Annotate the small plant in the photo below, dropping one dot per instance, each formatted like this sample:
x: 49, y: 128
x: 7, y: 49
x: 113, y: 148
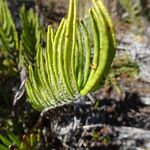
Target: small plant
x: 99, y: 137
x: 30, y: 36
x: 67, y: 69
x: 8, y: 40
x: 15, y: 53
x: 12, y: 142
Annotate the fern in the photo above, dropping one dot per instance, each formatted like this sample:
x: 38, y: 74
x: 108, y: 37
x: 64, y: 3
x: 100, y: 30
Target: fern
x: 6, y: 142
x: 30, y: 36
x: 62, y: 72
x: 11, y: 141
x: 8, y: 36
x: 15, y: 54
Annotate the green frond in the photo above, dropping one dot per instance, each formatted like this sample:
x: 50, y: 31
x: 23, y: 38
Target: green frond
x: 53, y: 85
x: 30, y: 36
x: 69, y: 47
x: 105, y: 49
x: 8, y: 37
x: 80, y: 58
x: 29, y: 141
x: 7, y: 141
x: 13, y: 52
x: 72, y: 65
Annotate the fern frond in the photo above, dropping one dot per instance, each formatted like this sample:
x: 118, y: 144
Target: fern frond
x: 8, y: 36
x: 12, y: 141
x: 50, y: 86
x: 105, y: 48
x: 30, y: 36
x: 63, y: 72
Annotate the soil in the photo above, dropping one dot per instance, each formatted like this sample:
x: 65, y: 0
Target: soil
x: 98, y: 124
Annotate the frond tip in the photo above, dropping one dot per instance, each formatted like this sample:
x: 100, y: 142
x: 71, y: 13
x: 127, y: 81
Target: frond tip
x: 63, y: 72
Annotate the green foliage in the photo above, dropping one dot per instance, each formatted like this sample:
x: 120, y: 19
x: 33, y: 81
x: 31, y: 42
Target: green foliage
x: 132, y: 7
x: 13, y: 53
x: 8, y: 141
x: 97, y: 136
x: 12, y: 142
x: 30, y: 36
x: 62, y: 72
x: 8, y: 39
x: 122, y: 68
x: 123, y: 65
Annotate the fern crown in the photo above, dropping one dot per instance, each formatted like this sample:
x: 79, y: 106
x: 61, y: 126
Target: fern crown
x: 76, y: 61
